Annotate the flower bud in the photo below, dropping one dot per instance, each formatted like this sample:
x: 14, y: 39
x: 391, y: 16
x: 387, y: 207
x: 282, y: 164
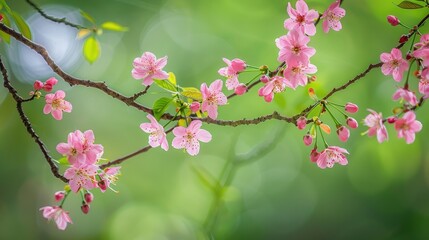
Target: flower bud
x: 352, y: 123
x: 403, y: 39
x: 89, y: 197
x: 195, y: 106
x: 301, y: 122
x: 393, y: 20
x: 102, y: 185
x: 314, y: 155
x: 343, y: 133
x: 38, y: 85
x: 308, y: 140
x: 49, y: 84
x: 85, y: 208
x: 351, y: 108
x: 240, y: 89
x: 59, y: 195
x: 264, y: 78
x: 391, y: 120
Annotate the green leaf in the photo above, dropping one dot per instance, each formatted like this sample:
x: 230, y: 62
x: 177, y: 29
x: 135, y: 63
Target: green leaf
x: 160, y: 106
x: 4, y: 4
x: 313, y: 131
x: 165, y: 84
x: 206, y: 178
x: 3, y: 35
x: 22, y: 25
x: 193, y: 93
x: 91, y: 49
x: 172, y: 78
x: 409, y: 5
x: 112, y: 26
x: 63, y: 161
x: 87, y: 16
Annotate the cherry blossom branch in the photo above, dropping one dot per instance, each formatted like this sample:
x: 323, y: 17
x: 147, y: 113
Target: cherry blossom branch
x: 19, y: 101
x: 54, y: 19
x: 120, y: 160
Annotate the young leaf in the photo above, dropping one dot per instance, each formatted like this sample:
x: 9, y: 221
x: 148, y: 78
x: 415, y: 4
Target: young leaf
x: 22, y: 25
x: 87, y: 16
x: 409, y: 5
x: 63, y: 161
x: 91, y: 49
x: 172, y: 78
x: 205, y: 177
x: 82, y: 33
x: 3, y: 35
x: 193, y: 93
x: 165, y: 84
x: 112, y: 26
x: 160, y: 106
x: 4, y: 4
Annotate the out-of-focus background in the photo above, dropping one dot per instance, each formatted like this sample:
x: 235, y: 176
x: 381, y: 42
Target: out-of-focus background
x: 382, y: 194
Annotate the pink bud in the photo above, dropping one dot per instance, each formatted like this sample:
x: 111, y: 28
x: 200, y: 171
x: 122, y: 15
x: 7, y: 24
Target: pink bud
x: 264, y: 78
x: 351, y: 108
x: 301, y: 122
x: 343, y: 133
x: 352, y: 123
x: 238, y: 65
x: 195, y: 106
x: 85, y: 208
x: 308, y: 140
x: 59, y: 195
x: 393, y: 20
x: 391, y: 120
x: 89, y: 197
x: 102, y: 185
x: 240, y: 89
x: 314, y: 155
x: 38, y: 85
x: 49, y: 84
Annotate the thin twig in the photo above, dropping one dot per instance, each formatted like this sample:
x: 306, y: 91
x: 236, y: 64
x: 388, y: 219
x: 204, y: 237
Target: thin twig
x: 19, y: 101
x: 54, y: 19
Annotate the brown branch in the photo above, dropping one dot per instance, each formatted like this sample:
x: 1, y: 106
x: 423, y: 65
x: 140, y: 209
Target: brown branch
x: 19, y: 101
x: 54, y: 19
x: 120, y: 160
x: 139, y: 94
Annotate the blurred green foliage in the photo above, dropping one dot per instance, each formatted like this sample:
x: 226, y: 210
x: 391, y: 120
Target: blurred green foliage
x: 382, y: 194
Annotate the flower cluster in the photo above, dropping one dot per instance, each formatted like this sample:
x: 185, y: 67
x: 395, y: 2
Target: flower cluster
x: 84, y: 173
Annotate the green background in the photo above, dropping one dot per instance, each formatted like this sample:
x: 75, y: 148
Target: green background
x: 381, y: 194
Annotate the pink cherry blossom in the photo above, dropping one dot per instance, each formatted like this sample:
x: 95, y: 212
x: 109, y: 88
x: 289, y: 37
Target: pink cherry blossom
x: 301, y: 18
x: 275, y: 85
x: 296, y: 74
x: 82, y: 176
x: 148, y: 68
x: 343, y: 133
x: 157, y: 135
x: 194, y: 106
x: 80, y: 148
x: 231, y: 71
x: 293, y: 48
x: 109, y: 176
x: 424, y: 83
x: 212, y: 97
x: 407, y: 126
x: 405, y: 94
x: 188, y: 138
x: 394, y: 64
x: 332, y: 16
x: 375, y: 123
x: 423, y: 43
x: 55, y: 104
x: 60, y: 216
x: 423, y: 54
x: 332, y: 155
